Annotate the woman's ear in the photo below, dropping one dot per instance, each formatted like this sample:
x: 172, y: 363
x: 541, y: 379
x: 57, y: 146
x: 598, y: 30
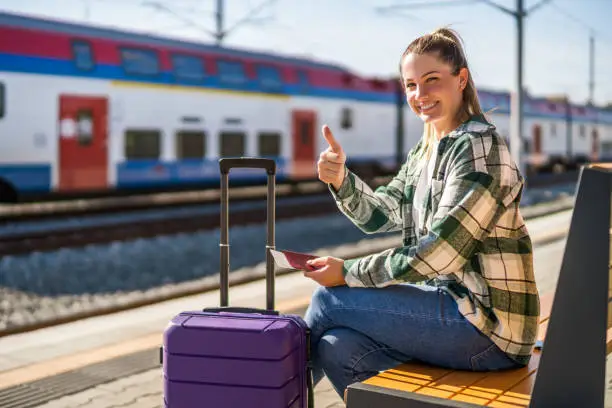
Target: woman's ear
x: 463, y: 78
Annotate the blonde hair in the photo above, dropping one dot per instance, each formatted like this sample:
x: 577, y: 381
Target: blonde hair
x: 446, y: 45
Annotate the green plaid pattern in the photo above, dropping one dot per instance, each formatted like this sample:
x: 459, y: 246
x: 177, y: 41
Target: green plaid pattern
x: 477, y: 247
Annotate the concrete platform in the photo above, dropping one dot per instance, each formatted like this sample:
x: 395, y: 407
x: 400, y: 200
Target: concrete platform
x: 70, y: 352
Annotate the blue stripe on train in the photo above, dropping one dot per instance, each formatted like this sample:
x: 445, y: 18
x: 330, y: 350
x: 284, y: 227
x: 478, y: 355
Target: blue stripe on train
x: 52, y: 66
x: 148, y: 173
x: 36, y: 178
x: 31, y: 178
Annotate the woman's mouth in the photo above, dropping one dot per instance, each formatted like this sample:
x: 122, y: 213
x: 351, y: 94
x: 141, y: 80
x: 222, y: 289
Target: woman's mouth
x: 425, y: 108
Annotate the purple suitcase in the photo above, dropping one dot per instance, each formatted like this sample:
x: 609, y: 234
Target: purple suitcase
x: 230, y: 357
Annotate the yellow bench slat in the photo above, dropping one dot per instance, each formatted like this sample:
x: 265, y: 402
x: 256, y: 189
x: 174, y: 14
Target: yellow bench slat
x: 408, y: 376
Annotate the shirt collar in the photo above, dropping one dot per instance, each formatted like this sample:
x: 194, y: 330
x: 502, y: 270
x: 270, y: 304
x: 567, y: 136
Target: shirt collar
x: 475, y: 124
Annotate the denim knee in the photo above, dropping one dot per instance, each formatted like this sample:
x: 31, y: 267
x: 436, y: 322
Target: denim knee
x: 321, y: 298
x: 346, y: 356
x: 318, y: 304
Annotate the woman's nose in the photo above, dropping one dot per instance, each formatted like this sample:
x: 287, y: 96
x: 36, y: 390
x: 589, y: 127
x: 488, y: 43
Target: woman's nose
x: 420, y: 92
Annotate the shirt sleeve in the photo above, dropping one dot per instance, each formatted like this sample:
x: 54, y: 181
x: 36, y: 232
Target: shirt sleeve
x: 481, y: 183
x: 372, y: 211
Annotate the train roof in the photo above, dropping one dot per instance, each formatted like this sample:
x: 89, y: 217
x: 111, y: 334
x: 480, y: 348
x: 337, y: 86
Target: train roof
x: 121, y: 34
x: 497, y: 98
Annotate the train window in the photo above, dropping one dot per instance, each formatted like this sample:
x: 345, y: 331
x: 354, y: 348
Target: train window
x: 231, y: 72
x: 526, y: 145
x: 188, y: 67
x: 302, y: 77
x: 232, y: 144
x: 606, y: 148
x: 142, y: 144
x: 582, y: 131
x: 269, y: 77
x: 346, y: 118
x: 2, y: 100
x: 269, y: 144
x: 82, y: 55
x: 348, y: 80
x: 190, y: 144
x: 553, y: 129
x: 232, y: 121
x: 138, y: 61
x: 84, y: 127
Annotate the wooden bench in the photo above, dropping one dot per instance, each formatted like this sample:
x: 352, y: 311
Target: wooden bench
x: 503, y: 389
x: 569, y: 370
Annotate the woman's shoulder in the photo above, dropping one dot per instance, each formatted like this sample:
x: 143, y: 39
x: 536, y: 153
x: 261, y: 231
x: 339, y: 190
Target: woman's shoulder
x: 477, y: 126
x: 478, y: 142
x: 478, y: 133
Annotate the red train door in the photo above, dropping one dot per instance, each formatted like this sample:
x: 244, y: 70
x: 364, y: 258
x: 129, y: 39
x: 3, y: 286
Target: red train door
x: 304, y: 163
x: 537, y: 139
x: 83, y: 158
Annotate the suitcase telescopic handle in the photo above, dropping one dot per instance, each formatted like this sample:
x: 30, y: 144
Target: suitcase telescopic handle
x: 225, y: 165
x: 233, y: 309
x: 247, y: 162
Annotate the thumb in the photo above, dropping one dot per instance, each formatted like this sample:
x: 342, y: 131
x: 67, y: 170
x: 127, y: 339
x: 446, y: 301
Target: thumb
x: 317, y: 261
x: 331, y: 140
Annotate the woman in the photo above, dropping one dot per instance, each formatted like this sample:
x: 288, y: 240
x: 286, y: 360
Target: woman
x: 460, y: 292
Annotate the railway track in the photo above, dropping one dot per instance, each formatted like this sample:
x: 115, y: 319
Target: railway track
x: 82, y: 235
x: 316, y: 202
x: 237, y: 277
x: 126, y: 204
x: 107, y: 205
x: 73, y: 237
x: 53, y: 238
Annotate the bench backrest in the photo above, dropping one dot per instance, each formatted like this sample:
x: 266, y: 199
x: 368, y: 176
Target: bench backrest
x: 573, y: 359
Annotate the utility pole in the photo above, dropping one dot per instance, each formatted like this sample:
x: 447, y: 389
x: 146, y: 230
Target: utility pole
x: 219, y: 17
x: 591, y: 68
x: 517, y: 147
x: 592, y: 33
x: 220, y: 33
x: 87, y: 10
x: 516, y: 110
x: 568, y: 129
x: 249, y: 18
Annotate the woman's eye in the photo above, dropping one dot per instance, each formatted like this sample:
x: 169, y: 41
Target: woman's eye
x: 410, y: 85
x: 432, y: 79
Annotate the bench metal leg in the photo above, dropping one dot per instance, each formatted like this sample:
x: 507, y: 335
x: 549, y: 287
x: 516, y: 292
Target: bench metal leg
x: 573, y: 363
x: 360, y: 395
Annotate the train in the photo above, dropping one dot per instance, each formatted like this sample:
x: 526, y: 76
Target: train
x: 87, y: 109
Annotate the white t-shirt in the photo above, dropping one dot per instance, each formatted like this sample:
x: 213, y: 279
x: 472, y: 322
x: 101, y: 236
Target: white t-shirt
x: 420, y: 194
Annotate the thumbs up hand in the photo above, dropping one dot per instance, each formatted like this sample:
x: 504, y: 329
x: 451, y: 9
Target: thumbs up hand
x: 331, y: 161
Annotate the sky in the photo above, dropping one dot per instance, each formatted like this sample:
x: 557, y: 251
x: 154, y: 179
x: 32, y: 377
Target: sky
x: 354, y: 34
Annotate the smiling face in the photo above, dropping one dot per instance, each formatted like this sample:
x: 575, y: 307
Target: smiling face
x: 432, y: 91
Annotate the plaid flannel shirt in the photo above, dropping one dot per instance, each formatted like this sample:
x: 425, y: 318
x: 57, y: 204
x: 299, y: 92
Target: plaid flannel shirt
x: 477, y: 248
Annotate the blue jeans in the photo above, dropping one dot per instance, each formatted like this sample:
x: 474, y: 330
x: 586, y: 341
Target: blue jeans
x: 357, y: 332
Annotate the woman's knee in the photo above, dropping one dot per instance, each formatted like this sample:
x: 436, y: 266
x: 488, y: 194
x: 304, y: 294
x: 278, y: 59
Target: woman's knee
x: 322, y: 297
x: 320, y: 303
x: 347, y: 356
x: 348, y: 348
